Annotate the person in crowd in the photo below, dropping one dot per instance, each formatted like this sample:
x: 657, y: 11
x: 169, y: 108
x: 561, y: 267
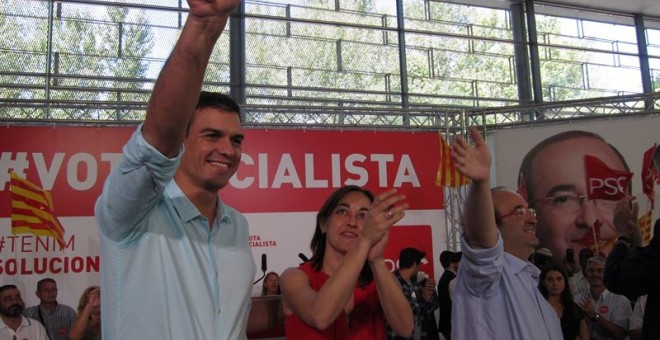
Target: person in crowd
x: 14, y: 325
x: 496, y: 294
x: 167, y: 239
x: 419, y: 290
x: 552, y: 180
x: 88, y: 323
x: 450, y: 262
x: 608, y: 313
x: 554, y: 287
x: 346, y: 291
x: 271, y: 284
x: 634, y: 272
x: 637, y: 318
x: 541, y: 257
x: 56, y: 317
x: 267, y: 312
x: 576, y: 280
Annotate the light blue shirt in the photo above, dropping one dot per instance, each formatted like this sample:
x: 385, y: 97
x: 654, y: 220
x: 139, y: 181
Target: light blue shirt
x: 497, y: 297
x: 164, y: 273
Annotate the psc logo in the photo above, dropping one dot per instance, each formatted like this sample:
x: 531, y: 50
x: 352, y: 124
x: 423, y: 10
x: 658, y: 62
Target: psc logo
x: 611, y: 186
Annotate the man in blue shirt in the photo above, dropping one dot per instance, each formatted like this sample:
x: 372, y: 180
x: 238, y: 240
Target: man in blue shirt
x: 175, y: 259
x: 496, y: 295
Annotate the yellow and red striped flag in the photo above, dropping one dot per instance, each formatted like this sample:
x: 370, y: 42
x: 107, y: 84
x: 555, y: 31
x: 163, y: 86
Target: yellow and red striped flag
x: 447, y: 175
x: 644, y: 223
x: 32, y: 210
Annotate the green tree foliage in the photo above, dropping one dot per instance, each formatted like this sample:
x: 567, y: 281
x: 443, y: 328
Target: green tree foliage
x: 456, y: 55
x: 94, y: 55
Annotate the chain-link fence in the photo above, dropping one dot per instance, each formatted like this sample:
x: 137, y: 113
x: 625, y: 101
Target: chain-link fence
x: 321, y: 62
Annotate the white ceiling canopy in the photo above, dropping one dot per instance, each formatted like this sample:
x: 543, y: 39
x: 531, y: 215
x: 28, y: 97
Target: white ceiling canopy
x: 649, y: 8
x: 611, y: 11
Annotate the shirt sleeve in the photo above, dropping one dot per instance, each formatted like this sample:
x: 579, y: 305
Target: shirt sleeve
x: 637, y: 317
x: 481, y: 269
x: 133, y: 187
x: 622, y: 312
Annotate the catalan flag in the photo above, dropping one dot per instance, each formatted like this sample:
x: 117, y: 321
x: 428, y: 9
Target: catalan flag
x: 644, y: 223
x: 32, y: 210
x: 447, y: 175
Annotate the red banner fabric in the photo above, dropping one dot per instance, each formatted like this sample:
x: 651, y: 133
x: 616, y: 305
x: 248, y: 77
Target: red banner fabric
x: 281, y: 170
x: 649, y: 174
x: 603, y: 182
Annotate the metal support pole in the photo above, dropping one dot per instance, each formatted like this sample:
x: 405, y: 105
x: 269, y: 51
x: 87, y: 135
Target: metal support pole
x: 534, y: 52
x: 520, y: 53
x: 237, y: 68
x: 644, y: 67
x: 402, y: 54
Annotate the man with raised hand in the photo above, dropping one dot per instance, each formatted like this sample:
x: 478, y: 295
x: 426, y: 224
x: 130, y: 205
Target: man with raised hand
x: 175, y: 259
x: 496, y: 295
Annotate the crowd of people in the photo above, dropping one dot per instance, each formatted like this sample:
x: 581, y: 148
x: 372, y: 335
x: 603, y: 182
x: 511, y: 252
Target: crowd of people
x: 177, y: 264
x: 49, y: 320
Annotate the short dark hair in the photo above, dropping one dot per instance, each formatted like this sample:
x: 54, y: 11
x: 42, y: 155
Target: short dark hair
x: 5, y: 287
x: 44, y: 281
x: 656, y: 158
x: 215, y: 100
x: 446, y: 258
x: 410, y: 256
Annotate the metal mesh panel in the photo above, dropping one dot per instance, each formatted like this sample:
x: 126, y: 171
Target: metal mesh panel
x: 88, y: 60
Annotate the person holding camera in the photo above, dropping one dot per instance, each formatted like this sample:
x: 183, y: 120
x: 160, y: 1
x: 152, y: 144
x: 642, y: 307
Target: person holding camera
x: 419, y: 289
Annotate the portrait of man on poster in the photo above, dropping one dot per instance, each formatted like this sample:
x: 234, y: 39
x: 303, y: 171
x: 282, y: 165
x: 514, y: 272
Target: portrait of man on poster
x: 574, y: 180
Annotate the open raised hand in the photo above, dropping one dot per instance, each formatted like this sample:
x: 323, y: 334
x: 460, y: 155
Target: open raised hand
x: 387, y: 209
x: 94, y: 297
x: 625, y: 220
x: 472, y: 161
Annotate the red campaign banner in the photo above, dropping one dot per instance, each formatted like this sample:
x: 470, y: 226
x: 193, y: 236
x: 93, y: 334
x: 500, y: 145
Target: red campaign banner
x: 649, y: 174
x: 603, y: 182
x: 281, y: 170
x: 419, y: 237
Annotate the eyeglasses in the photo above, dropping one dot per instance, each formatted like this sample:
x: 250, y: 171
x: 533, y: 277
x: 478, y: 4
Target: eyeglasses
x: 570, y: 201
x: 520, y: 211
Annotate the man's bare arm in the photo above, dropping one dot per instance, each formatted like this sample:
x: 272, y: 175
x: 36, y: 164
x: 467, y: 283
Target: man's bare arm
x: 478, y: 218
x: 177, y: 88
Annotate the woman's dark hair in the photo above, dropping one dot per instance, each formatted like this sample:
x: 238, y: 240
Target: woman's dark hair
x: 319, y: 239
x: 566, y: 296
